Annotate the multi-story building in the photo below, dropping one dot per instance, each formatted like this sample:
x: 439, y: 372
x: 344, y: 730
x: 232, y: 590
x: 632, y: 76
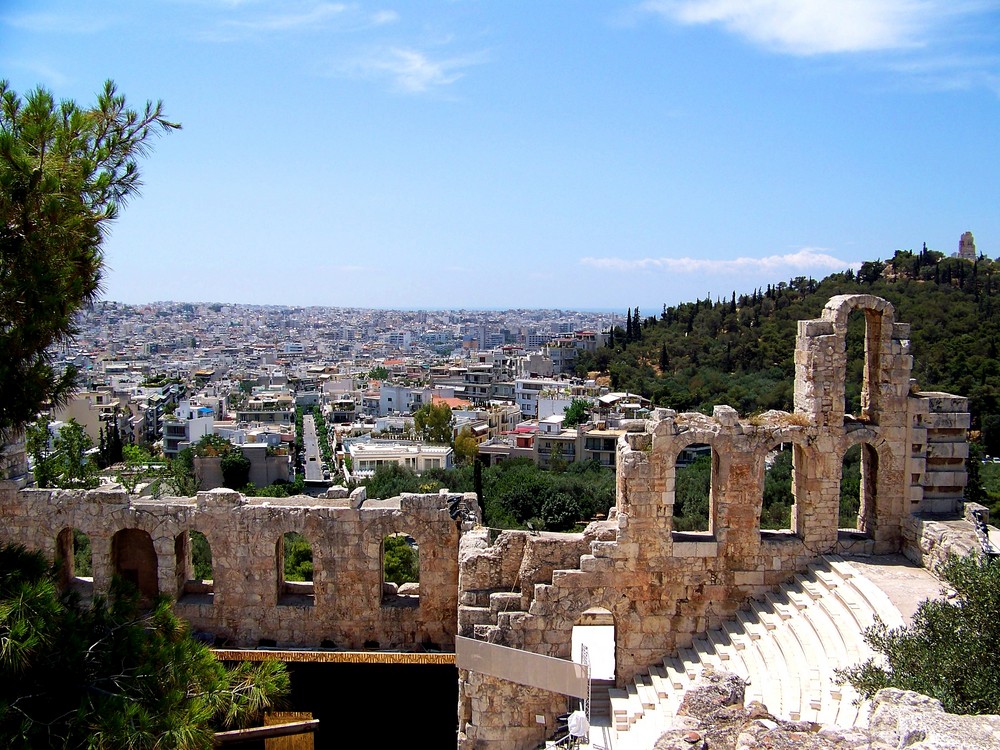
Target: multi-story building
x: 369, y: 455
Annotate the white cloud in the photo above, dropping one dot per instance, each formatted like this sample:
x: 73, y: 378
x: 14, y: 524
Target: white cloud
x: 811, y: 27
x: 309, y: 18
x: 382, y: 17
x: 414, y: 71
x: 804, y: 260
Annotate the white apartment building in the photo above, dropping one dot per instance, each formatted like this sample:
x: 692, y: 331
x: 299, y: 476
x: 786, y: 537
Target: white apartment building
x: 418, y: 457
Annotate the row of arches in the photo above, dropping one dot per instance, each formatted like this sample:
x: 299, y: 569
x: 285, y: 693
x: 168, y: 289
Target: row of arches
x: 696, y: 478
x: 134, y: 560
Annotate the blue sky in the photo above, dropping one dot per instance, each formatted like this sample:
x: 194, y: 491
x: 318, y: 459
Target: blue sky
x: 530, y: 154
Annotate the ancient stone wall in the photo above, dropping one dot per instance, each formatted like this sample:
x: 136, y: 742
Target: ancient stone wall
x: 247, y: 602
x: 663, y: 586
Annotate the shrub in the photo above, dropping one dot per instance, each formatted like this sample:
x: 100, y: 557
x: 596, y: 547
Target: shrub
x: 949, y: 650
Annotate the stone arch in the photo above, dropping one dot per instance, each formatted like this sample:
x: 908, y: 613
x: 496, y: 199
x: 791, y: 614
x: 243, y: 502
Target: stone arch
x: 595, y: 629
x: 876, y: 458
x: 404, y: 563
x: 880, y: 318
x: 75, y: 555
x: 133, y: 558
x: 195, y: 585
x: 289, y: 553
x: 671, y: 456
x: 801, y: 455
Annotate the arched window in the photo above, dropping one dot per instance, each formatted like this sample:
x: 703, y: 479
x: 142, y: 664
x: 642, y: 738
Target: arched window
x: 778, y: 511
x: 863, y: 351
x: 74, y: 556
x: 694, y: 480
x: 294, y: 560
x: 194, y: 568
x: 400, y: 571
x: 134, y: 559
x: 858, y: 488
x: 595, y: 632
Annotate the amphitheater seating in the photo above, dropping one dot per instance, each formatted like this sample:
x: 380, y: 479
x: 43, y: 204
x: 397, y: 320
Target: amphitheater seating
x: 786, y: 645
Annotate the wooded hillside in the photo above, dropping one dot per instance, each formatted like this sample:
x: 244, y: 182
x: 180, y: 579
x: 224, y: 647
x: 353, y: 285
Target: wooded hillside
x: 739, y: 351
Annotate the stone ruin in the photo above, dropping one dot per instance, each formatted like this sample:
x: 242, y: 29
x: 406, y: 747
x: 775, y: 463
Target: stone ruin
x: 658, y: 587
x: 248, y: 602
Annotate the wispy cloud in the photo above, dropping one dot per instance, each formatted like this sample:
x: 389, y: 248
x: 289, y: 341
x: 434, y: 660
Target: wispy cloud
x: 308, y: 17
x: 57, y: 23
x: 414, y: 71
x: 311, y: 16
x: 812, y: 27
x: 804, y: 260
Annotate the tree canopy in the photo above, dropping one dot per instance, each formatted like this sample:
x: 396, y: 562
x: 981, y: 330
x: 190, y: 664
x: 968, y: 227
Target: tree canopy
x: 111, y: 675
x: 65, y: 170
x: 433, y: 423
x: 949, y: 651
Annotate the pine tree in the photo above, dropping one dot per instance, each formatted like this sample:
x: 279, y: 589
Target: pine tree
x: 64, y: 172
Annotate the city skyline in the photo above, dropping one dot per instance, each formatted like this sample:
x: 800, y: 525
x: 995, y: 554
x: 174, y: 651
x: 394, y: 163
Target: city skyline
x: 461, y: 155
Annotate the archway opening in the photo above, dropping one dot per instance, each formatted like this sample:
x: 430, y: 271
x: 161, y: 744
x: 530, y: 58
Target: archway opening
x: 859, y: 489
x: 400, y: 571
x: 294, y: 558
x: 861, y: 373
x: 134, y: 560
x: 778, y: 509
x: 73, y: 555
x: 595, y: 633
x: 694, y: 479
x: 194, y: 568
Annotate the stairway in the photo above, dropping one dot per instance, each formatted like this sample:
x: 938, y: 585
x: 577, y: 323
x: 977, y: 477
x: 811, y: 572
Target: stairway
x: 787, y: 645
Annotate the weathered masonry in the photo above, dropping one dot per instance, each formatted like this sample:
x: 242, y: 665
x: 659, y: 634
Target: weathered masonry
x: 659, y: 587
x: 654, y: 586
x: 247, y: 601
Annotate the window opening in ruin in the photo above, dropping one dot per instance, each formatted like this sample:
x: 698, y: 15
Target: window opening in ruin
x: 134, y: 560
x: 861, y: 372
x: 194, y: 568
x: 294, y: 559
x: 400, y: 571
x: 596, y: 630
x: 695, y: 470
x: 858, y: 487
x: 73, y: 555
x: 778, y: 512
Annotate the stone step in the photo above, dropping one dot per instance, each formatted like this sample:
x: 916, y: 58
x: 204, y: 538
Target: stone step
x: 505, y: 601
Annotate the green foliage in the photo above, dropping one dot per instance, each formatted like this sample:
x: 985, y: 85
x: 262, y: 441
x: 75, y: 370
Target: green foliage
x: 850, y: 488
x: 140, y: 467
x: 692, y: 485
x: 212, y: 445
x: 703, y: 353
x: 778, y: 498
x: 64, y: 172
x: 298, y: 557
x: 949, y: 650
x: 466, y: 448
x: 433, y: 423
x: 111, y: 676
x: 577, y: 412
x: 201, y: 556
x: 235, y: 470
x: 82, y: 564
x: 182, y: 478
x: 68, y: 464
x: 400, y: 562
x: 378, y: 373
x: 391, y: 480
x: 989, y: 474
x: 513, y: 492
